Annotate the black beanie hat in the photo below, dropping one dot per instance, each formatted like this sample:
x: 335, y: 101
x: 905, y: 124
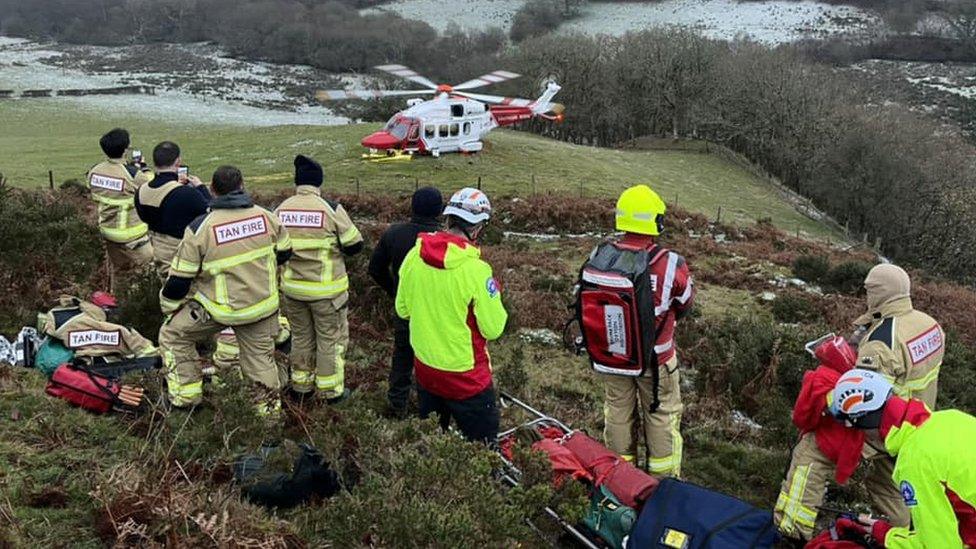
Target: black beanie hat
x: 427, y: 202
x: 307, y: 171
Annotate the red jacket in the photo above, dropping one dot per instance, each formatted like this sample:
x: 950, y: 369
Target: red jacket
x: 674, y: 293
x: 841, y: 445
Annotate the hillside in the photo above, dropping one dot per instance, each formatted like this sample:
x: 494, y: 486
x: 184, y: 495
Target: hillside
x: 154, y: 480
x: 699, y: 182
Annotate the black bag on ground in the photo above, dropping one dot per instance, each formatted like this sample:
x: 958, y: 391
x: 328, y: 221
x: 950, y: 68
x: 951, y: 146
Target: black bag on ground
x: 119, y: 368
x: 681, y: 515
x: 310, y: 476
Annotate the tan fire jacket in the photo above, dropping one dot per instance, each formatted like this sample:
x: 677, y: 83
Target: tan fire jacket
x: 231, y: 253
x: 906, y: 346
x: 113, y: 188
x: 319, y: 230
x: 83, y: 328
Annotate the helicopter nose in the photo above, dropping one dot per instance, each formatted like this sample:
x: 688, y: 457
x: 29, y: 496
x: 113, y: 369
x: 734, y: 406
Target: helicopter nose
x: 380, y: 140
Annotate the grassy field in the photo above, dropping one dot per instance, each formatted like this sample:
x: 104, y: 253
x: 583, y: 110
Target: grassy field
x: 42, y: 135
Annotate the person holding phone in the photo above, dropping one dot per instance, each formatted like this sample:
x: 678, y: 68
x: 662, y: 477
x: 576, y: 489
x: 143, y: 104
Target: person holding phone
x: 169, y: 203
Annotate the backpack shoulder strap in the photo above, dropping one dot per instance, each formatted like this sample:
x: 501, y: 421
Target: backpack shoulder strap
x: 658, y: 252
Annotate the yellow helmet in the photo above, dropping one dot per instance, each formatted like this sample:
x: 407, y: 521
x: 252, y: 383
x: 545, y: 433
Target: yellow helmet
x: 639, y: 210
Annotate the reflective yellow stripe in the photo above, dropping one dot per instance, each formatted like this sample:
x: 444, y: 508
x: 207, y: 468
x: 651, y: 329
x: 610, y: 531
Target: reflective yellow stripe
x: 351, y: 234
x: 227, y: 315
x: 794, y: 512
x: 269, y: 408
x: 184, y: 266
x: 168, y: 305
x: 284, y: 243
x: 227, y: 349
x: 328, y: 383
x: 216, y: 266
x: 125, y: 203
x: 311, y: 243
x: 661, y: 465
x: 627, y: 457
x: 220, y: 288
x: 293, y: 287
x: 124, y: 235
x: 301, y: 377
x: 918, y: 385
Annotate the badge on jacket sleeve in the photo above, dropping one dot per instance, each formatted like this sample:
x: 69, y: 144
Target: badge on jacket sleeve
x: 908, y: 493
x: 492, y: 286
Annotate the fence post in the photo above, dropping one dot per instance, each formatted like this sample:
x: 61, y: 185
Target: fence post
x: 718, y: 217
x: 533, y: 184
x: 357, y: 186
x: 581, y: 188
x: 50, y: 178
x: 479, y: 182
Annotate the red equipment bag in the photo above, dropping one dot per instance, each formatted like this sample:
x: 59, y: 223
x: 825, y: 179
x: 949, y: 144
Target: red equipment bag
x: 85, y: 389
x: 615, y: 310
x: 628, y: 483
x: 826, y: 541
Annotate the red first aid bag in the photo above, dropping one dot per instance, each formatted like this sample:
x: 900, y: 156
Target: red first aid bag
x: 85, y: 389
x: 628, y: 483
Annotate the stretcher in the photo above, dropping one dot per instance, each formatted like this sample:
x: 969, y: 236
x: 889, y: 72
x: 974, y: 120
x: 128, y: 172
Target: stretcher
x: 391, y: 155
x: 512, y: 475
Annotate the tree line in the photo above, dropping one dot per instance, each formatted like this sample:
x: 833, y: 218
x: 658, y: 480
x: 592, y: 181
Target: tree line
x: 894, y: 176
x: 330, y: 34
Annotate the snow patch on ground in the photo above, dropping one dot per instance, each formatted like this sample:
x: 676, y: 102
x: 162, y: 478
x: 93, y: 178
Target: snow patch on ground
x: 228, y: 91
x: 775, y: 21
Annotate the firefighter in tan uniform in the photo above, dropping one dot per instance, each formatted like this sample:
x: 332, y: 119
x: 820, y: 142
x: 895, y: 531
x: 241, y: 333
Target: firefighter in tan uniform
x: 906, y: 346
x: 315, y: 285
x: 85, y: 328
x: 113, y: 184
x: 169, y: 203
x: 230, y: 257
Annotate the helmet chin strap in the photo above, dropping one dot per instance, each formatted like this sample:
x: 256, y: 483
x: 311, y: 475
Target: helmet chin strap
x: 467, y: 233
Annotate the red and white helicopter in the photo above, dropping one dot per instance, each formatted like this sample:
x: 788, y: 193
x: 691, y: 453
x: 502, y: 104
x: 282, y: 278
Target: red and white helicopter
x: 455, y: 120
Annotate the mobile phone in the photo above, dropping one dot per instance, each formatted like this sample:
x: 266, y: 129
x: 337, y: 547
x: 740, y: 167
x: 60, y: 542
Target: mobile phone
x: 183, y: 172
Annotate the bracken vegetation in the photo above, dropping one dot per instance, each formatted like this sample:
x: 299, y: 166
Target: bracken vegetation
x: 152, y: 479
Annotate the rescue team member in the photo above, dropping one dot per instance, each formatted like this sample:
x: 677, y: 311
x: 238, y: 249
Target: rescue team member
x: 168, y: 204
x: 230, y: 256
x: 113, y: 183
x: 315, y: 285
x: 454, y: 307
x: 906, y: 347
x: 384, y: 268
x: 934, y: 470
x: 640, y: 214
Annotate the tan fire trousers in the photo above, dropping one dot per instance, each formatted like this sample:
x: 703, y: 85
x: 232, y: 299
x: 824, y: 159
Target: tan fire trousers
x: 320, y: 337
x: 627, y: 409
x: 806, y: 484
x: 163, y: 251
x: 129, y: 255
x: 191, y: 325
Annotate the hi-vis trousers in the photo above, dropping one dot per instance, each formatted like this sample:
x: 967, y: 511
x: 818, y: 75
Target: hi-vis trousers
x: 191, y: 325
x: 128, y: 255
x: 627, y: 409
x: 320, y: 337
x: 806, y: 484
x: 163, y: 250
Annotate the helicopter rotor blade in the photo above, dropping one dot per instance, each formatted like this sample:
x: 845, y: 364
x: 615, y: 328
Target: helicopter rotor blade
x: 487, y: 79
x: 497, y: 99
x: 338, y: 95
x: 408, y: 74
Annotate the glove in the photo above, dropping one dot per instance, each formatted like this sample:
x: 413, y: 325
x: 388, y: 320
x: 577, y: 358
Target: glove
x: 847, y: 528
x: 880, y: 531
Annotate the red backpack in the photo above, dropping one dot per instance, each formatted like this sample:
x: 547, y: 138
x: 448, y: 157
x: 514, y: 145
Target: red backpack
x: 615, y: 310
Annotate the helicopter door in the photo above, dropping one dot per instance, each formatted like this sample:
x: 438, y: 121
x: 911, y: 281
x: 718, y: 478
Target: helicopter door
x: 413, y: 135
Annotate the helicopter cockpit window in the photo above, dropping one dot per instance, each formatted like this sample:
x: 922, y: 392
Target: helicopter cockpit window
x: 429, y: 131
x: 454, y: 129
x: 457, y: 110
x: 398, y: 127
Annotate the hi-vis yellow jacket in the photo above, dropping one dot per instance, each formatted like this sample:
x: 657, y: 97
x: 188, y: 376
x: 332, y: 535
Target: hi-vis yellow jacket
x: 319, y: 230
x: 935, y: 470
x: 114, y: 187
x: 231, y: 253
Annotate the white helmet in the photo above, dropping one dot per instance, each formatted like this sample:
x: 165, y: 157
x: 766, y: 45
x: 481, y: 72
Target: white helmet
x: 470, y: 205
x: 859, y: 397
